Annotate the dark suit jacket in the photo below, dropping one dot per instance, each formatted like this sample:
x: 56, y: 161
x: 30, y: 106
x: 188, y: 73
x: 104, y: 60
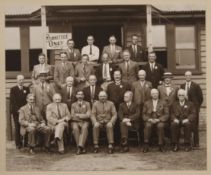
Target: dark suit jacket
x: 187, y: 111
x: 162, y: 111
x: 116, y: 92
x: 195, y: 94
x: 155, y: 76
x: 133, y: 112
x: 87, y: 93
x: 140, y: 56
x: 73, y: 56
x: 18, y: 98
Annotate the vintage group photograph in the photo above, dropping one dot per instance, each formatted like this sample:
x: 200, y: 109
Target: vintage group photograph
x: 105, y: 87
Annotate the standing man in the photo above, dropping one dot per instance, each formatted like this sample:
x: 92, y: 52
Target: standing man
x: 80, y: 113
x: 82, y: 72
x: 183, y: 114
x: 32, y: 122
x: 129, y: 115
x: 43, y: 92
x: 58, y: 115
x: 68, y: 92
x: 91, y: 50
x: 91, y: 92
x: 129, y: 68
x: 42, y: 67
x: 136, y: 51
x: 155, y: 114
x: 104, y: 115
x: 18, y: 95
x: 193, y: 94
x: 154, y: 71
x: 73, y: 54
x: 63, y: 70
x: 114, y: 52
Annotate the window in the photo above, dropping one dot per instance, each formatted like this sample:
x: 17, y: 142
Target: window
x: 185, y: 47
x: 12, y: 49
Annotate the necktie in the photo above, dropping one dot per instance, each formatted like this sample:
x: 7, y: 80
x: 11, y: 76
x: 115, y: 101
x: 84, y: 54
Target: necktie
x: 92, y: 93
x: 21, y: 88
x: 31, y: 109
x: 128, y: 105
x: 58, y: 110
x: 84, y: 68
x: 103, y: 108
x: 134, y: 50
x: 127, y: 66
x: 80, y: 104
x: 105, y: 71
x: 69, y: 92
x: 90, y: 51
x: 152, y: 67
x: 112, y: 50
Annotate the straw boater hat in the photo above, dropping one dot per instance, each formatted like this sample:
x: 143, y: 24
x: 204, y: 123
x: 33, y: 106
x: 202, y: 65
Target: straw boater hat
x: 167, y: 75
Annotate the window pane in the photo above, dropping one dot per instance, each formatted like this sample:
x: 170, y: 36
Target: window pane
x: 159, y: 36
x: 12, y: 38
x: 185, y: 37
x: 185, y: 59
x: 13, y: 60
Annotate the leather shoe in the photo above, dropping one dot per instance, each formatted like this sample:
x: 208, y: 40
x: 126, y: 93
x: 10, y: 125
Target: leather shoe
x: 125, y: 149
x: 96, y: 149
x: 161, y: 148
x: 61, y: 152
x: 146, y: 148
x: 31, y: 151
x: 175, y: 148
x: 187, y: 148
x: 79, y: 151
x: 110, y: 150
x: 54, y: 141
x: 83, y: 151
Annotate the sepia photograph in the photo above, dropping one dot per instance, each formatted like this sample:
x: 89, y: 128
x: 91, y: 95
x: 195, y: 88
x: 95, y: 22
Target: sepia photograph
x: 105, y: 87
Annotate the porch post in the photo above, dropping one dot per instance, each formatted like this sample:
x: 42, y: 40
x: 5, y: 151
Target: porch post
x: 149, y: 28
x: 44, y: 29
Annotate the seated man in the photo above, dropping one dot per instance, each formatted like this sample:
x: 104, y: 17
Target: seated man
x: 58, y: 115
x: 129, y: 115
x: 183, y: 114
x: 155, y: 114
x: 32, y: 122
x: 104, y: 115
x: 80, y: 113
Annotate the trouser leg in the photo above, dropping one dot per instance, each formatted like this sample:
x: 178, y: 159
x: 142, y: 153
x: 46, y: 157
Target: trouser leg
x: 174, y: 132
x: 75, y: 129
x: 31, y: 137
x: 83, y: 134
x: 110, y: 134
x: 160, y: 132
x: 46, y: 131
x: 96, y: 132
x: 187, y: 132
x: 17, y: 129
x: 147, y: 132
x: 196, y: 129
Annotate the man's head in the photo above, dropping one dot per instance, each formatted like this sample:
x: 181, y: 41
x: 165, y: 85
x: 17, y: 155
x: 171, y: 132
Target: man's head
x: 30, y: 98
x: 92, y: 80
x: 102, y: 96
x: 84, y: 58
x: 117, y: 75
x: 167, y: 76
x: 20, y: 80
x: 126, y: 55
x: 70, y: 43
x: 63, y: 56
x: 90, y: 40
x: 181, y: 94
x: 41, y: 58
x: 152, y: 57
x: 188, y: 75
x: 128, y: 96
x: 80, y: 95
x: 42, y: 76
x: 134, y: 39
x: 154, y: 94
x: 57, y: 98
x: 105, y: 58
x: 141, y: 75
x: 112, y: 39
x: 69, y: 81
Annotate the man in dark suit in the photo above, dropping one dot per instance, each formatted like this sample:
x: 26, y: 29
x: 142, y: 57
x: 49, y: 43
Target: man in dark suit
x: 194, y: 94
x: 91, y: 92
x: 129, y: 115
x: 155, y: 114
x: 183, y: 114
x: 136, y: 51
x: 153, y: 70
x: 129, y: 68
x: 18, y: 95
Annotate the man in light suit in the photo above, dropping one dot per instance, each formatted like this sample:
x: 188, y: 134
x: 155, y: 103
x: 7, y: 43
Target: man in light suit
x: 42, y: 67
x: 129, y: 68
x: 154, y: 71
x: 193, y: 94
x: 68, y: 92
x: 114, y: 52
x: 58, y: 115
x: 104, y: 115
x: 129, y: 115
x: 18, y: 95
x: 43, y: 92
x: 32, y: 122
x: 80, y: 113
x: 63, y: 70
x: 155, y: 114
x: 91, y: 50
x: 168, y: 91
x: 183, y: 114
x: 73, y: 54
x: 82, y: 72
x: 136, y: 51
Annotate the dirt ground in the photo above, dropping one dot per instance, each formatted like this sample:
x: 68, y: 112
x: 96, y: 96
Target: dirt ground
x: 21, y: 160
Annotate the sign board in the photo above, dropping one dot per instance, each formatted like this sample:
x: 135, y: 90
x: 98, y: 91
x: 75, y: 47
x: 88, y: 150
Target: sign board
x: 57, y: 40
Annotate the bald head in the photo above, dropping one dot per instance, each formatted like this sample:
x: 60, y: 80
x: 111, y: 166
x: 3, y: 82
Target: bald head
x: 20, y: 80
x: 128, y: 96
x: 102, y: 96
x: 92, y: 80
x: 69, y: 81
x: 188, y: 75
x: 57, y: 98
x: 141, y: 75
x: 181, y: 94
x: 154, y: 94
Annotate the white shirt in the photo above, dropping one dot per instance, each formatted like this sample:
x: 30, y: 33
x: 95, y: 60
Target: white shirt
x: 92, y: 90
x: 187, y: 86
x: 106, y: 66
x: 154, y: 102
x: 95, y: 52
x: 70, y: 88
x: 142, y: 83
x: 152, y: 65
x: 128, y: 104
x: 182, y: 103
